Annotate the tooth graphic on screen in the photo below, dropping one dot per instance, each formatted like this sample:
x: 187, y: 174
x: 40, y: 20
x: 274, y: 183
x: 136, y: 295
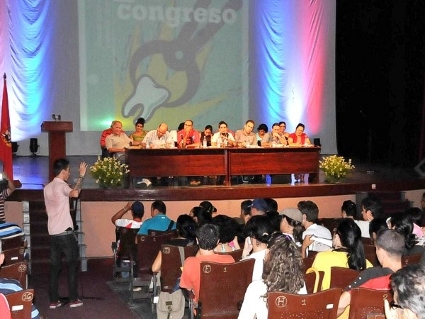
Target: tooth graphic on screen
x: 146, y: 97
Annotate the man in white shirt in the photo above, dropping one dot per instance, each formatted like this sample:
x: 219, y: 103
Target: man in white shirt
x: 137, y: 211
x: 223, y: 137
x: 157, y: 138
x: 117, y: 141
x: 322, y: 239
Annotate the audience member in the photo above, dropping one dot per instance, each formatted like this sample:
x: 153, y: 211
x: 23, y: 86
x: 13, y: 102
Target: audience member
x: 275, y: 219
x: 258, y: 231
x: 137, y: 212
x: 246, y: 206
x: 375, y: 226
x: 417, y: 216
x: 349, y: 209
x: 188, y: 137
x: 348, y: 251
x: 262, y: 129
x: 245, y: 136
x: 291, y: 224
x: 117, y: 141
x: 273, y: 138
x: 283, y: 271
x: 258, y: 207
x: 8, y: 286
x: 4, y: 308
x: 157, y: 138
x: 139, y: 134
x: 200, y: 215
x: 207, y: 237
x: 322, y: 239
x: 209, y: 207
x: 186, y: 236
x: 207, y: 134
x: 63, y: 240
x: 408, y: 286
x: 223, y: 137
x: 228, y: 227
x: 159, y: 220
x: 371, y: 208
x: 299, y: 138
x: 6, y: 190
x: 403, y: 224
x: 389, y: 249
x: 272, y: 204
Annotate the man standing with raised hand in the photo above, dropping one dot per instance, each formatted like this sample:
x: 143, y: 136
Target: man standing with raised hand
x: 63, y: 240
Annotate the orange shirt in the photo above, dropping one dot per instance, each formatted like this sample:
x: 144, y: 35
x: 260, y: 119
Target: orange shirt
x: 191, y: 274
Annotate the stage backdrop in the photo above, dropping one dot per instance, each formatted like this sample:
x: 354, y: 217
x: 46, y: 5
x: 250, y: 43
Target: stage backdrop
x: 93, y: 61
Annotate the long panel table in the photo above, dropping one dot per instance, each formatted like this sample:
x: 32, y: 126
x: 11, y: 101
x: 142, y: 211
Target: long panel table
x: 223, y: 161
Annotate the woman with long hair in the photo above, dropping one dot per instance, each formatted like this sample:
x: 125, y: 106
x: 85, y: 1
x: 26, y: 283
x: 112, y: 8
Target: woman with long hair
x: 348, y: 251
x: 290, y: 224
x: 258, y: 230
x: 283, y: 271
x: 403, y: 225
x: 200, y: 215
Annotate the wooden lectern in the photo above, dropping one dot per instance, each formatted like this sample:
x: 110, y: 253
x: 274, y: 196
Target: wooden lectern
x: 57, y: 141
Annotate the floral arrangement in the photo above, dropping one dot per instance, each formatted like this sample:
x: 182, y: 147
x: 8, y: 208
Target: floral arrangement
x: 335, y: 167
x: 109, y: 172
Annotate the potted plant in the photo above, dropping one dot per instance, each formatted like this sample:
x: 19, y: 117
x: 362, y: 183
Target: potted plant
x: 335, y: 167
x: 109, y: 172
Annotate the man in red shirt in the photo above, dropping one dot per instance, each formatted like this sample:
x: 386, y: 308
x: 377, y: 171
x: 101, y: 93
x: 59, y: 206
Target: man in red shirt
x: 389, y: 250
x: 207, y: 237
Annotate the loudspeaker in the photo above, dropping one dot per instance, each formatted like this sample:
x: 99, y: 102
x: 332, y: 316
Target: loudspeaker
x: 316, y: 142
x: 420, y: 168
x: 34, y: 146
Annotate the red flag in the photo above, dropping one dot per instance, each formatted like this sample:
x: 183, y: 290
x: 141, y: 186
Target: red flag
x: 5, y: 136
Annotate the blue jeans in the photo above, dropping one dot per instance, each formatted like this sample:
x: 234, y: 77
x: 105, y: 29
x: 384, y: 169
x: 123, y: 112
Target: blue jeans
x: 68, y: 246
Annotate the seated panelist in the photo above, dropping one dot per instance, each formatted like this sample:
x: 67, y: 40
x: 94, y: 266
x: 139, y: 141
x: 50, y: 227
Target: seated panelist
x: 103, y: 136
x: 299, y: 138
x: 274, y: 137
x: 117, y: 141
x: 188, y: 137
x: 157, y: 138
x: 139, y: 134
x: 207, y: 134
x: 223, y: 137
x: 246, y: 136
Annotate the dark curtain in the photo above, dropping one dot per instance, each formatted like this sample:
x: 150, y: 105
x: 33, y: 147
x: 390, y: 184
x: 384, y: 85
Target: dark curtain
x: 380, y: 54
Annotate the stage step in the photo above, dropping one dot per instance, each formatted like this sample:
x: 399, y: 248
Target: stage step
x: 40, y: 239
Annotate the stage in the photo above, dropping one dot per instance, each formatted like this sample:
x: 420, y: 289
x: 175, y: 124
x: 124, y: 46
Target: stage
x: 33, y: 171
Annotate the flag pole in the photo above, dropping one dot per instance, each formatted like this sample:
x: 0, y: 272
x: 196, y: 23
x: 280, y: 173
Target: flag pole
x: 6, y: 137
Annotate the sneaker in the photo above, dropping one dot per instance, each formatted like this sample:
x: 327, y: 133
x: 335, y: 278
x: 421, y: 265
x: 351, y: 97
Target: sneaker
x: 54, y: 305
x: 75, y: 303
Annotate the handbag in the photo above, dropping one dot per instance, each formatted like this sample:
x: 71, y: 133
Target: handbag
x: 171, y: 305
